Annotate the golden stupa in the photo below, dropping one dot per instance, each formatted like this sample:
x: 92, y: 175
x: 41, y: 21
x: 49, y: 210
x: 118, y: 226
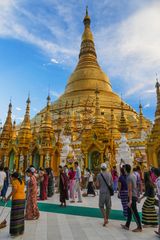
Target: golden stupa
x: 81, y: 86
x: 88, y: 112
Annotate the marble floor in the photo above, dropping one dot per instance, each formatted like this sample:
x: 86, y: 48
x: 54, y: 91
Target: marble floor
x: 52, y: 226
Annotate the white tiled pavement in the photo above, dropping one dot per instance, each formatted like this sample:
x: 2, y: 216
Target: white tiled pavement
x: 53, y: 226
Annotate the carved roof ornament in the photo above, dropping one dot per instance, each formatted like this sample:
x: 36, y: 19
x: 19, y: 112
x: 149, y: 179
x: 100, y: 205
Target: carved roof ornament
x: 7, y: 128
x: 142, y: 124
x: 25, y: 134
x: 123, y: 127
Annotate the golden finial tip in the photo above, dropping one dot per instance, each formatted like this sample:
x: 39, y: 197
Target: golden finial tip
x: 48, y: 98
x: 87, y: 10
x: 28, y: 99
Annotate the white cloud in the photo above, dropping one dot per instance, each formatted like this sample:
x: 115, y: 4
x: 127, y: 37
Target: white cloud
x: 18, y: 109
x: 55, y: 94
x: 131, y: 49
x: 150, y: 91
x: 54, y: 61
x: 147, y: 105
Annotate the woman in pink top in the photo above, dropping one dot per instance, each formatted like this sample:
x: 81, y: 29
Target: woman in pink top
x: 72, y: 181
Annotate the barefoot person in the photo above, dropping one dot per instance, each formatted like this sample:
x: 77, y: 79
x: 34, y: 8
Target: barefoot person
x: 18, y: 205
x: 32, y: 211
x: 149, y: 215
x: 104, y: 179
x: 157, y: 174
x: 63, y: 186
x: 132, y: 201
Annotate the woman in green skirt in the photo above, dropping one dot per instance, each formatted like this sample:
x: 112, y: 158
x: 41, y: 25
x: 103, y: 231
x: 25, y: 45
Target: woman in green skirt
x: 18, y: 206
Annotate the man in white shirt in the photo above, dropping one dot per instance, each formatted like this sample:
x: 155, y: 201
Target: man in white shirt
x: 2, y: 177
x: 78, y: 180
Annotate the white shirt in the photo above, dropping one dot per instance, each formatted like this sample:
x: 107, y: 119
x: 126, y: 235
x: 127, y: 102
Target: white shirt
x: 90, y: 178
x: 2, y: 178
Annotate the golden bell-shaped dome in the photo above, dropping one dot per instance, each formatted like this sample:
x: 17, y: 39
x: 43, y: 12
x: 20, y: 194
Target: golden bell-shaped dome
x: 88, y: 72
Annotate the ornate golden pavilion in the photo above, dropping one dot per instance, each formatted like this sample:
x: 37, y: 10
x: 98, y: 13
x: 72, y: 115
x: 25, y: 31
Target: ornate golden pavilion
x: 153, y: 143
x: 89, y: 111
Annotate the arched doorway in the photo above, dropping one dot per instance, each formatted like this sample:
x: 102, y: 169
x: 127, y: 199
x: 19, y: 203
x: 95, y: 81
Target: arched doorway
x: 158, y: 158
x: 94, y: 161
x: 36, y: 159
x: 11, y: 161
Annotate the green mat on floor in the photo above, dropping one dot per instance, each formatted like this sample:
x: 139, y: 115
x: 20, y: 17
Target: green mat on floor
x: 75, y: 210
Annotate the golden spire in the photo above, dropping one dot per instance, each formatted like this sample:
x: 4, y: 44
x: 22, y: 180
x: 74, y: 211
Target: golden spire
x: 7, y: 128
x: 88, y: 71
x: 123, y: 128
x: 14, y: 134
x: 142, y: 124
x: 113, y: 125
x: 47, y: 121
x: 87, y: 34
x: 87, y: 45
x: 24, y: 134
x: 157, y: 113
x: 26, y: 122
x: 46, y: 128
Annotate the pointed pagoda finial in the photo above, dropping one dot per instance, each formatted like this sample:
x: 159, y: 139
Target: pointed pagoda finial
x: 157, y: 83
x: 48, y: 100
x: 28, y: 99
x: 87, y: 19
x: 28, y: 105
x: 157, y: 113
x: 123, y: 128
x: 10, y: 107
x: 140, y: 107
x: 87, y: 10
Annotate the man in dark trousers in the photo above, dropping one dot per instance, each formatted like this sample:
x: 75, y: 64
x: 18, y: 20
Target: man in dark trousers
x: 132, y: 201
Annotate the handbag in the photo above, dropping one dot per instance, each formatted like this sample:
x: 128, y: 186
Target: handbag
x: 111, y: 191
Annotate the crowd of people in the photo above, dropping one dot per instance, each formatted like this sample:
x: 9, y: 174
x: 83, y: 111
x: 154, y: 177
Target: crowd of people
x: 131, y: 187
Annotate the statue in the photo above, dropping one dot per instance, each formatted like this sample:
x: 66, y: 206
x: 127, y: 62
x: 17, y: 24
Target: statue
x: 124, y: 155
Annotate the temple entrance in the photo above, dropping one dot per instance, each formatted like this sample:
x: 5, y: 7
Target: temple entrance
x: 11, y: 161
x: 158, y: 158
x: 36, y: 159
x: 94, y: 161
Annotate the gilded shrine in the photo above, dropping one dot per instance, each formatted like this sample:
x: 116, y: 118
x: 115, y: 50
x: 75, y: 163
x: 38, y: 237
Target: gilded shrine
x: 89, y: 115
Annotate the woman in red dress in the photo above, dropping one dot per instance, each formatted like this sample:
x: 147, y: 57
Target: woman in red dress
x: 32, y: 211
x: 43, y: 184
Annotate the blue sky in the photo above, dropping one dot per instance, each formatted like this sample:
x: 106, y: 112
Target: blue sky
x: 40, y: 42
